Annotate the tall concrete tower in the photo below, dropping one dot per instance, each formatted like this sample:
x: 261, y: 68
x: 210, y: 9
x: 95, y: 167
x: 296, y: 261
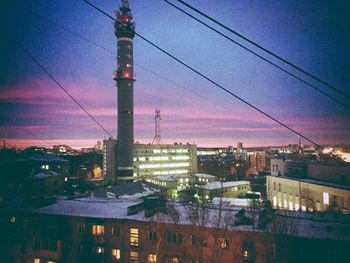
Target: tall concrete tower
x: 124, y: 76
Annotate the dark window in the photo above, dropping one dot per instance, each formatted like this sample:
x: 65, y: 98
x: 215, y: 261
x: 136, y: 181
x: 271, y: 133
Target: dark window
x: 174, y: 238
x: 152, y: 235
x: 116, y: 231
x: 81, y: 227
x: 36, y: 244
x: 194, y: 240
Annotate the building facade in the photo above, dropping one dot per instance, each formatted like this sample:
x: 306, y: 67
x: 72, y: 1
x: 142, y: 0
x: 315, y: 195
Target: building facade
x: 223, y: 189
x: 307, y: 194
x: 94, y: 230
x: 166, y: 159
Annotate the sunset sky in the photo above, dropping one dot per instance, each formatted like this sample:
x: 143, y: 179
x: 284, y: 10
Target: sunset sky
x: 312, y: 34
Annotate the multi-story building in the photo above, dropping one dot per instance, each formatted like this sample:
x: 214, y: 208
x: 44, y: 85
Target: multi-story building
x: 151, y: 160
x: 307, y: 194
x: 257, y: 161
x: 309, y: 185
x: 100, y: 230
x: 278, y: 167
x: 166, y: 159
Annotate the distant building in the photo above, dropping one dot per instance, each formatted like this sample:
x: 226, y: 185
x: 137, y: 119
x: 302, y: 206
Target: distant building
x: 110, y: 161
x: 278, y: 167
x: 165, y: 159
x: 42, y: 185
x: 223, y: 189
x: 309, y: 185
x: 257, y: 161
x: 202, y: 179
x: 175, y: 183
x: 151, y: 160
x: 17, y: 167
x: 307, y: 194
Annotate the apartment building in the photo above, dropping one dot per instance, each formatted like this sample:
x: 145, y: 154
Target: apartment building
x: 102, y: 230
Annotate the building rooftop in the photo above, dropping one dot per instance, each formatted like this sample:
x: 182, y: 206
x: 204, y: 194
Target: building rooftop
x: 44, y: 174
x: 134, y: 190
x: 166, y: 178
x: 218, y: 185
x: 303, y: 224
x: 207, y: 176
x: 318, y: 182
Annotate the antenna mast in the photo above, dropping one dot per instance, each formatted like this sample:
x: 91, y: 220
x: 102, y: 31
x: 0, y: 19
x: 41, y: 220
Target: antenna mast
x: 157, y: 138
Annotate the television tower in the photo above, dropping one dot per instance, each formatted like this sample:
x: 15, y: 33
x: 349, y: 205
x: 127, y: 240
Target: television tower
x: 157, y: 138
x: 124, y: 76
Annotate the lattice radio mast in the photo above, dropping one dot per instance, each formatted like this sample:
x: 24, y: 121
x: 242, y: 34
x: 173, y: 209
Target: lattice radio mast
x: 157, y: 138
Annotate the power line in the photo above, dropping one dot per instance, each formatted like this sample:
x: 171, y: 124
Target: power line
x: 266, y: 50
x: 261, y: 57
x: 205, y: 77
x: 113, y: 53
x: 58, y: 84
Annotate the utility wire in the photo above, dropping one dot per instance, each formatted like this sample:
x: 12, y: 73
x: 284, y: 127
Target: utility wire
x: 113, y: 53
x: 205, y: 77
x: 266, y: 50
x: 259, y: 56
x: 58, y: 84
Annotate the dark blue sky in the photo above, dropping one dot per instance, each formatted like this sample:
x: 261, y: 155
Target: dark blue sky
x: 312, y: 34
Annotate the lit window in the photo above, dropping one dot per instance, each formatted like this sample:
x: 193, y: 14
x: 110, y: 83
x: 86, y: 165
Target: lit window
x: 245, y: 254
x: 151, y: 258
x: 36, y: 260
x: 134, y: 257
x: 116, y: 254
x: 99, y: 250
x: 223, y: 243
x: 98, y: 230
x: 134, y: 237
x: 325, y: 198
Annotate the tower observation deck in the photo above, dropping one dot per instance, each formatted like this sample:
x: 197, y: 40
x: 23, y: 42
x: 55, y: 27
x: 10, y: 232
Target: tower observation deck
x: 124, y: 77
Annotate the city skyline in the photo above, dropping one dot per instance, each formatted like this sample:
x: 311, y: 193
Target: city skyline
x: 312, y: 34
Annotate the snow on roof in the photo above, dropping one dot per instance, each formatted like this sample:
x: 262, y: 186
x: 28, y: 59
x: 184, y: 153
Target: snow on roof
x: 132, y: 190
x: 303, y: 224
x: 45, y: 174
x: 218, y: 185
x: 242, y: 202
x: 166, y: 178
x: 208, y: 176
x: 41, y: 157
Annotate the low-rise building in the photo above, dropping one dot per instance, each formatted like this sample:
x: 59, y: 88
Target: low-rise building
x: 223, y: 189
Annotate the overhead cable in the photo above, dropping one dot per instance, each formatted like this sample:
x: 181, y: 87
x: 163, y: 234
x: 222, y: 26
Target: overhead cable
x: 266, y: 50
x: 261, y: 57
x: 205, y: 77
